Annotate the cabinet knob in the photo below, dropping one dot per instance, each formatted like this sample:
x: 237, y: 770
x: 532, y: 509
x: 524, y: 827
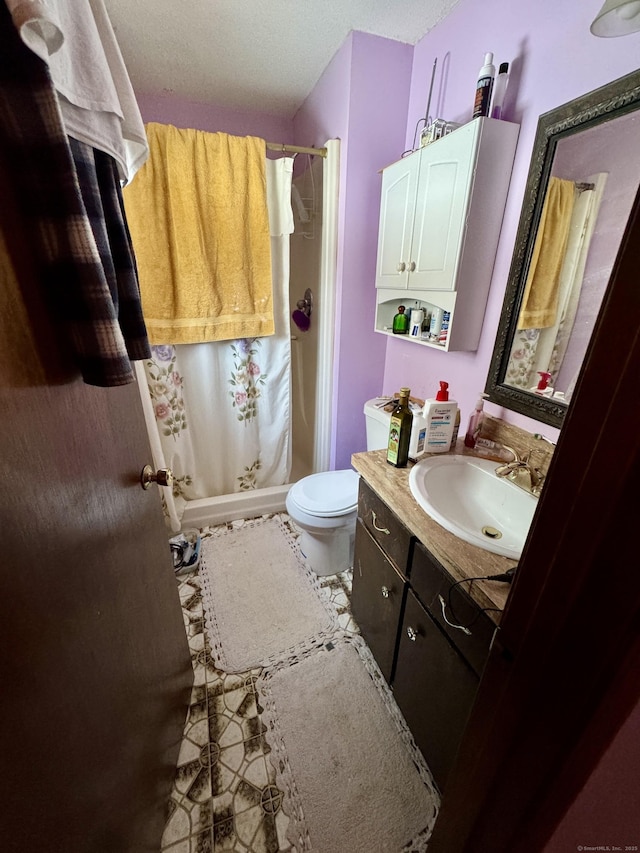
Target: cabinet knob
x: 385, y: 592
x: 412, y: 266
x: 401, y: 266
x: 412, y: 634
x: 375, y: 524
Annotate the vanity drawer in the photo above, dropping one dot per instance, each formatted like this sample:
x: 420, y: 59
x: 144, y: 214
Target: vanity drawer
x: 385, y: 528
x: 430, y: 580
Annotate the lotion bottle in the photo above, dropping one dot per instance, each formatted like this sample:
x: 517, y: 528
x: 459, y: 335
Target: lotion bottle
x: 418, y: 435
x: 475, y: 422
x: 440, y: 416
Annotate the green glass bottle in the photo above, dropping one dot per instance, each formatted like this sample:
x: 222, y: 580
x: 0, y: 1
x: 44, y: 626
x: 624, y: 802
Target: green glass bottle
x: 400, y: 431
x: 400, y: 322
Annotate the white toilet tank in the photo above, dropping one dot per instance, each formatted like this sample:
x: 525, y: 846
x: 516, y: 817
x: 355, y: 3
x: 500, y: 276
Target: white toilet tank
x: 377, y: 423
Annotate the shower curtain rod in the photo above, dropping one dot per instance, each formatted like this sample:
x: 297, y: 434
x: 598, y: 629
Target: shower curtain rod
x: 296, y: 149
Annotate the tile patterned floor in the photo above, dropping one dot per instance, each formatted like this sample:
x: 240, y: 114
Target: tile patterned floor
x: 224, y: 796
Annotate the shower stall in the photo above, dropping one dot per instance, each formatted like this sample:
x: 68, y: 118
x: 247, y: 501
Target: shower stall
x: 312, y: 268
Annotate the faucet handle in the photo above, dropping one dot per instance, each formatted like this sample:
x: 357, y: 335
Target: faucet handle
x: 516, y: 457
x: 541, y: 437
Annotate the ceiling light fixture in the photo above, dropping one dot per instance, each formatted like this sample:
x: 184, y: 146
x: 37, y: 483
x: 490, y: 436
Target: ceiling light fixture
x: 617, y: 18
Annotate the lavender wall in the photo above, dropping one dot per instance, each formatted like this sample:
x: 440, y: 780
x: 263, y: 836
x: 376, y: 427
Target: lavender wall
x: 362, y: 99
x: 169, y: 109
x: 553, y: 58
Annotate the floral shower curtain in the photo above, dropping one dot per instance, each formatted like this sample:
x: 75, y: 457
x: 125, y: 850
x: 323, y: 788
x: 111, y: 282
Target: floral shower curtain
x: 218, y: 414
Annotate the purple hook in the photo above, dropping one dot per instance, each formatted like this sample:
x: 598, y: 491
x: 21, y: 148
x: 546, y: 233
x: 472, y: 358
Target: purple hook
x: 301, y: 320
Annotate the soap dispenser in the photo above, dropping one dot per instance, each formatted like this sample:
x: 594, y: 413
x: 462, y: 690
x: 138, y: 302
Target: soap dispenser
x: 543, y: 389
x: 475, y: 422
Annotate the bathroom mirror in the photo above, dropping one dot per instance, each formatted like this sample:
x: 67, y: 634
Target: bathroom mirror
x: 583, y: 179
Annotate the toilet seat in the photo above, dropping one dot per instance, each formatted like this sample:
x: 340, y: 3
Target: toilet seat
x: 330, y: 494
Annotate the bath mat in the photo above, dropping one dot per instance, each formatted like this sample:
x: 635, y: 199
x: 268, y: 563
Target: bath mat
x: 262, y: 604
x: 352, y: 776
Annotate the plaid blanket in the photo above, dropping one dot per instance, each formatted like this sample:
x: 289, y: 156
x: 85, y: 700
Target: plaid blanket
x: 68, y: 197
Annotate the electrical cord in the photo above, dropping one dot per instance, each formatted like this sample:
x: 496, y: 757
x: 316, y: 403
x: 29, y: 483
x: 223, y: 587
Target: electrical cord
x: 504, y: 577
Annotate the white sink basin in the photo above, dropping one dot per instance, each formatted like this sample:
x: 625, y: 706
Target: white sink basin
x: 466, y: 497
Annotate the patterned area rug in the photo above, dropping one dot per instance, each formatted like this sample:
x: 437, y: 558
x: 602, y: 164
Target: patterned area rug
x: 341, y: 750
x: 262, y: 604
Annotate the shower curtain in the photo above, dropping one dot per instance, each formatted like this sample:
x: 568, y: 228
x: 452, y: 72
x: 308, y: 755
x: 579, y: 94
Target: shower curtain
x: 218, y: 414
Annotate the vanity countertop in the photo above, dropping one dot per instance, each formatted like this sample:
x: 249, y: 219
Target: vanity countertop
x: 459, y: 558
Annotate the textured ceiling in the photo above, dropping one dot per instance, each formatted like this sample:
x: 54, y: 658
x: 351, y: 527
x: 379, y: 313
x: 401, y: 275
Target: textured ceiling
x: 262, y: 55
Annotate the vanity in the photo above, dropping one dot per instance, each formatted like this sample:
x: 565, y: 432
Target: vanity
x: 430, y: 637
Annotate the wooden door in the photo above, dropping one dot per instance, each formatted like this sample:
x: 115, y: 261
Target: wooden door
x: 95, y: 671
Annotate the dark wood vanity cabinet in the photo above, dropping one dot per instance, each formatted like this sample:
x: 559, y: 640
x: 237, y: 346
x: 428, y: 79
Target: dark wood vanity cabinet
x: 434, y: 688
x: 380, y: 561
x: 376, y: 599
x: 410, y: 615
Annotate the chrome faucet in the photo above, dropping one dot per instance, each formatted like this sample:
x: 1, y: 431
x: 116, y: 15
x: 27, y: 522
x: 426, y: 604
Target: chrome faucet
x: 522, y: 472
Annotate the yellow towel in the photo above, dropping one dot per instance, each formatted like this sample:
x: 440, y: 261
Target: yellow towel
x: 197, y: 211
x: 540, y: 300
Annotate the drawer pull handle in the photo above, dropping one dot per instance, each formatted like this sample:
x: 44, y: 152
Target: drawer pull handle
x: 452, y: 624
x: 385, y: 592
x: 412, y: 634
x: 375, y: 524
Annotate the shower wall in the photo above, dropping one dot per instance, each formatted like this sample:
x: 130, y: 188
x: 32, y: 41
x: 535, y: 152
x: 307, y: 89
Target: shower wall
x: 306, y: 246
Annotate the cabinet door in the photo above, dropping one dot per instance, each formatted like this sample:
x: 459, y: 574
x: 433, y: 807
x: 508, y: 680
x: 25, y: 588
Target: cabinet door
x: 376, y: 599
x: 442, y: 202
x: 397, y: 203
x: 434, y: 689
x: 430, y: 580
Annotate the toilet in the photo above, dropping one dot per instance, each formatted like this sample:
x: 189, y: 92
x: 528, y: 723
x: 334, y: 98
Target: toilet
x: 324, y: 506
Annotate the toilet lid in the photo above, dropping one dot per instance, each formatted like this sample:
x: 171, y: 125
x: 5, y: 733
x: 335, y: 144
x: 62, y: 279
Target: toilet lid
x: 326, y: 494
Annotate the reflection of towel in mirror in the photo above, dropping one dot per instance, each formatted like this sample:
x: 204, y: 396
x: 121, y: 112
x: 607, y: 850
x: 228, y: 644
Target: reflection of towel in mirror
x: 197, y: 211
x: 540, y: 300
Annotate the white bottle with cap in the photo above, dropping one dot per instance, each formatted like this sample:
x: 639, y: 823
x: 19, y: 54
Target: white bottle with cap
x: 418, y: 438
x: 484, y: 87
x: 499, y: 90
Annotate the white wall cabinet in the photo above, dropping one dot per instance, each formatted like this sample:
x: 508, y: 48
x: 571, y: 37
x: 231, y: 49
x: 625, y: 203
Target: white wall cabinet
x: 440, y: 219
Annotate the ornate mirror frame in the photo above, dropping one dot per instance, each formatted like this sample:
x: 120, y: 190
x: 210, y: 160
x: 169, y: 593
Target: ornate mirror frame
x: 610, y: 101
